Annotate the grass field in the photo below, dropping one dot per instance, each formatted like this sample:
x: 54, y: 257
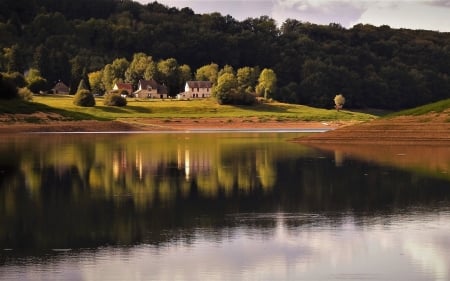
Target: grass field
x: 178, y: 109
x: 436, y: 107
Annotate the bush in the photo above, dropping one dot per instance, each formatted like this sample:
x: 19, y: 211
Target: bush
x: 37, y: 85
x: 84, y: 98
x: 115, y: 100
x: 8, y: 89
x: 25, y: 94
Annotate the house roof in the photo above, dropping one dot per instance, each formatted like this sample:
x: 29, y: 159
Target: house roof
x: 152, y: 84
x: 61, y: 87
x: 125, y: 86
x: 148, y: 84
x: 199, y: 84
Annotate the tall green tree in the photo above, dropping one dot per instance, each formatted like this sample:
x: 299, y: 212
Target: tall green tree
x: 226, y: 69
x: 137, y: 68
x: 185, y: 74
x: 225, y: 89
x: 169, y: 74
x: 114, y: 72
x: 267, y: 83
x: 95, y: 80
x: 247, y: 77
x: 15, y: 59
x: 207, y: 73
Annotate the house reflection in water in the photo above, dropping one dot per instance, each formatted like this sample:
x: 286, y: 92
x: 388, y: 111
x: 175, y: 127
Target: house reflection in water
x: 194, y: 162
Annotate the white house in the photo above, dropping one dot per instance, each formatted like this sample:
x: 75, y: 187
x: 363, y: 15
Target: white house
x: 150, y: 89
x: 196, y: 90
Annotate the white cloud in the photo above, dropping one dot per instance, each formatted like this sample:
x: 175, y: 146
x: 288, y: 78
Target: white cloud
x: 320, y: 11
x: 407, y: 14
x: 414, y: 14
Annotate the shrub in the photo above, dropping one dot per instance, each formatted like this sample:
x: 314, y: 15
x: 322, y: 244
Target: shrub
x: 84, y: 98
x: 115, y: 100
x: 37, y: 85
x: 25, y: 94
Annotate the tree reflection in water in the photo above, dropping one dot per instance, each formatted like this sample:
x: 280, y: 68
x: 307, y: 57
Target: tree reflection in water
x: 85, y: 191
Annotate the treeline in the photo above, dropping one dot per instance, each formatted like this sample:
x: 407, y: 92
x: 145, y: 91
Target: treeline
x: 371, y: 66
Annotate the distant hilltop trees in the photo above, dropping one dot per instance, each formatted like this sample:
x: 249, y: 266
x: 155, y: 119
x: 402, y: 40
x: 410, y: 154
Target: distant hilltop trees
x: 377, y: 67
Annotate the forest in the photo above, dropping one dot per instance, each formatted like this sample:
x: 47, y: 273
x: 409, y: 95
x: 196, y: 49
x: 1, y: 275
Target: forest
x: 373, y: 67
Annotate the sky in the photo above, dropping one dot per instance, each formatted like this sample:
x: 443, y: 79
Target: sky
x: 411, y: 14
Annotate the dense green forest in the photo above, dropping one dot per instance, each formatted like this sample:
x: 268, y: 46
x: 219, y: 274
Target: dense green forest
x: 376, y: 67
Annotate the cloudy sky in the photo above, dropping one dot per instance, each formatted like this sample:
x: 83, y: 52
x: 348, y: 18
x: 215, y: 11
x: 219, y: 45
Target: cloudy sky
x: 413, y: 14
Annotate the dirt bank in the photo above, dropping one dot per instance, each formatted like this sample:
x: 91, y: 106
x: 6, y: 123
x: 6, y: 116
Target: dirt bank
x: 429, y: 129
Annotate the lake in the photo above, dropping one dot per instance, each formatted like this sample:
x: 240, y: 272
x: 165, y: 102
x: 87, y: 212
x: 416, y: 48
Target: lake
x: 220, y: 206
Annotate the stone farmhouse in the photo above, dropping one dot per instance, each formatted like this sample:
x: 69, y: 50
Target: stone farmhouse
x: 150, y: 89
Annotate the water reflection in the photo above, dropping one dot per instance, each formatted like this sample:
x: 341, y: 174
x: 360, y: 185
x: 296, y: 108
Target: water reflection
x: 409, y: 249
x: 219, y: 207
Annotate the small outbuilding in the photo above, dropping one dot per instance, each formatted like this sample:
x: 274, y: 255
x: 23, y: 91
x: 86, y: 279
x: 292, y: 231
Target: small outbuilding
x: 61, y: 88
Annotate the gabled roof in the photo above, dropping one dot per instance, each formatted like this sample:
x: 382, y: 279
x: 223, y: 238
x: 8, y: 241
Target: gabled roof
x: 148, y: 84
x: 125, y: 86
x: 152, y: 84
x: 61, y: 87
x: 199, y: 84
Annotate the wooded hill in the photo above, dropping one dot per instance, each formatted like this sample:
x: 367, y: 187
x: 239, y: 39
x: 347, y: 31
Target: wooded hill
x: 376, y: 67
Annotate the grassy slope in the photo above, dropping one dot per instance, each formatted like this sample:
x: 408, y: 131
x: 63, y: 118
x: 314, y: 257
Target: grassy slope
x: 437, y: 107
x: 175, y: 109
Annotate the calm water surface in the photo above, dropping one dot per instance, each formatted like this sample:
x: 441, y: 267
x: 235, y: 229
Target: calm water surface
x: 221, y: 206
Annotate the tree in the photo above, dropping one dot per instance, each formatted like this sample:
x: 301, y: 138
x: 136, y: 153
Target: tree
x: 82, y: 86
x: 114, y: 72
x: 95, y: 80
x: 169, y: 75
x: 35, y: 82
x: 339, y: 101
x: 15, y: 59
x: 225, y: 89
x: 137, y: 68
x: 267, y: 83
x: 185, y: 74
x: 78, y: 72
x: 247, y: 77
x: 151, y: 72
x: 207, y: 73
x: 226, y: 69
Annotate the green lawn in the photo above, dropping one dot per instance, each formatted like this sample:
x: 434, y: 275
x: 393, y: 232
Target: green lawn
x: 185, y: 109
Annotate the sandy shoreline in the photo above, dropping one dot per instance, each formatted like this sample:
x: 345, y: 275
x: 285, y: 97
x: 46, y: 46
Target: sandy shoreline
x: 161, y: 124
x: 431, y: 129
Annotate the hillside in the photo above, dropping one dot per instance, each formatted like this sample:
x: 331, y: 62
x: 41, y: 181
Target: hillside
x: 57, y: 113
x: 429, y: 124
x: 373, y: 67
